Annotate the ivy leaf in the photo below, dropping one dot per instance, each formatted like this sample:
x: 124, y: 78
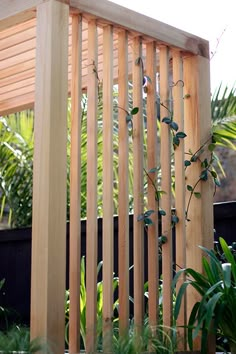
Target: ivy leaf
x: 176, y: 140
x: 166, y: 120
x: 194, y: 158
x: 214, y: 174
x: 189, y: 188
x: 148, y: 221
x: 203, y: 175
x: 204, y: 163
x: 149, y: 212
x: 175, y: 219
x: 217, y: 182
x: 213, y: 139
x: 162, y: 212
x: 181, y: 135
x: 162, y: 240
x: 197, y: 195
x: 134, y: 111
x: 187, y: 163
x: 211, y: 147
x: 152, y: 170
x: 141, y: 217
x: 174, y: 126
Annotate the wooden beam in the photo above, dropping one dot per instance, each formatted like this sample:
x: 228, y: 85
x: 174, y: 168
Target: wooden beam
x: 180, y: 227
x: 91, y: 231
x: 108, y: 238
x: 17, y: 104
x: 49, y: 181
x: 123, y: 196
x: 138, y: 184
x: 197, y: 112
x: 153, y: 257
x: 75, y: 190
x: 14, y: 12
x: 144, y: 25
x: 167, y: 266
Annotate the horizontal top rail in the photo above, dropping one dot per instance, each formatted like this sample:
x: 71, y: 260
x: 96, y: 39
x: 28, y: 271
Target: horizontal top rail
x: 144, y: 25
x: 21, y: 10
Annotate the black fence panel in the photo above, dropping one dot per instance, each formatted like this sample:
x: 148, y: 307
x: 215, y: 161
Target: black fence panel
x: 15, y: 259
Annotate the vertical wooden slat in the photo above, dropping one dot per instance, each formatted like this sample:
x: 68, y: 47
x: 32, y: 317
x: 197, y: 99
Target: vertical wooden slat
x: 166, y: 187
x: 153, y: 259
x: 138, y: 182
x: 197, y: 112
x: 91, y: 246
x: 108, y: 239
x: 49, y: 180
x: 75, y: 167
x: 123, y: 196
x: 178, y: 113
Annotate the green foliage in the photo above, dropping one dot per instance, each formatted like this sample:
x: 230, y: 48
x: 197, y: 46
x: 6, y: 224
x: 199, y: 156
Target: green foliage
x: 83, y: 303
x: 160, y: 340
x: 16, y: 160
x: 217, y: 288
x: 18, y: 339
x: 223, y: 111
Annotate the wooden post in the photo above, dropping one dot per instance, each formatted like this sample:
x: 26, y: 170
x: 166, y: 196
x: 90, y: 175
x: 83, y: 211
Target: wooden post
x: 108, y: 239
x: 91, y: 246
x: 180, y: 233
x: 123, y: 250
x: 153, y: 257
x: 75, y: 192
x: 138, y: 183
x: 49, y: 190
x: 197, y: 114
x: 167, y: 266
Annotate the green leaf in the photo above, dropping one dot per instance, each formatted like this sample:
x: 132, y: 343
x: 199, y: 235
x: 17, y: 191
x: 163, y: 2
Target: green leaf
x: 134, y: 111
x: 197, y: 195
x: 162, y: 240
x: 227, y: 274
x: 217, y: 182
x: 148, y: 221
x: 141, y: 217
x: 214, y: 174
x: 181, y: 135
x: 166, y: 120
x: 211, y: 147
x: 152, y: 170
x: 189, y: 188
x: 187, y: 163
x: 204, y: 176
x: 162, y: 212
x: 204, y: 163
x: 174, y: 126
x: 176, y: 140
x: 179, y: 298
x: 175, y: 219
x: 194, y: 158
x: 149, y: 212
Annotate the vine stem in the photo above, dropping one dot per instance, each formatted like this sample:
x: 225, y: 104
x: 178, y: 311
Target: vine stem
x: 190, y: 198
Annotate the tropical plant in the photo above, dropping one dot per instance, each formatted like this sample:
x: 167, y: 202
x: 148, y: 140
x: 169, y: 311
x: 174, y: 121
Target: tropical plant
x: 83, y: 303
x: 17, y: 339
x: 148, y: 339
x: 216, y: 310
x: 16, y: 160
x: 223, y: 112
